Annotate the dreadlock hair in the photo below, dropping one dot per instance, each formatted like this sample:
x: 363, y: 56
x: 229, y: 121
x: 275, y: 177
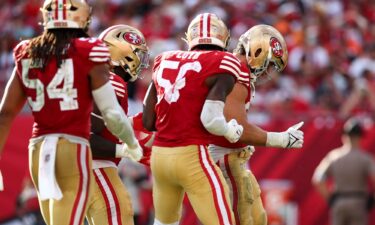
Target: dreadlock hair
x: 52, y: 43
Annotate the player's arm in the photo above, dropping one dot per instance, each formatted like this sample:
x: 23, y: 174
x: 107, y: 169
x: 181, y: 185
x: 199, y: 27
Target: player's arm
x: 212, y: 115
x: 319, y: 179
x: 11, y: 104
x: 235, y: 108
x: 113, y: 115
x: 100, y: 147
x: 149, y: 116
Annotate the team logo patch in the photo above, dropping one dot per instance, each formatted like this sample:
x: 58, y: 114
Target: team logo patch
x: 133, y: 38
x: 277, y: 50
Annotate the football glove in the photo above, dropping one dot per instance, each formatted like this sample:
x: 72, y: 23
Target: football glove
x: 234, y: 131
x: 291, y: 138
x: 134, y: 153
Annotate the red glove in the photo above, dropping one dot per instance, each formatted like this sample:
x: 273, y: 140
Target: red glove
x: 145, y: 138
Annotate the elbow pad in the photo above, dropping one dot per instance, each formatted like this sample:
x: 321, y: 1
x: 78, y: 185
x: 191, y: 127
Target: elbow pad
x: 212, y: 117
x: 114, y: 117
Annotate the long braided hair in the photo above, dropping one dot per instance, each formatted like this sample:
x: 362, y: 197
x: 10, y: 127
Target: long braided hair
x: 52, y: 43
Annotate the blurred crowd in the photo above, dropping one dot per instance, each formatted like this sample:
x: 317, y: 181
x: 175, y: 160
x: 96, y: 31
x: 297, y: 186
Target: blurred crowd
x: 331, y: 68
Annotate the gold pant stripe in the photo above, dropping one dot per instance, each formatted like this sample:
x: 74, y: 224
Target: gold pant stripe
x: 221, y: 204
x: 80, y: 202
x: 109, y: 195
x: 233, y: 184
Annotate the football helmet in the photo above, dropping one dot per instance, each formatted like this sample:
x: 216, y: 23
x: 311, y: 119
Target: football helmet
x: 263, y: 44
x: 207, y: 29
x: 128, y: 49
x: 58, y: 14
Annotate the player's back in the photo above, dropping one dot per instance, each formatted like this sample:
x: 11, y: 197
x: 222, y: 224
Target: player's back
x: 180, y: 80
x: 60, y: 97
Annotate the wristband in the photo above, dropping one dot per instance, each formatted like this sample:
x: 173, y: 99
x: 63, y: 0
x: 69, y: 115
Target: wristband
x: 119, y: 151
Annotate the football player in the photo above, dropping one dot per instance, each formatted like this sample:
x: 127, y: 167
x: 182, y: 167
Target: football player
x: 185, y: 104
x: 110, y: 203
x: 260, y: 49
x: 59, y: 74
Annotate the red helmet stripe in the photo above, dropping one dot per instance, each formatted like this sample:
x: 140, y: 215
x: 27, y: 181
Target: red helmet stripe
x: 209, y: 25
x: 201, y: 26
x: 56, y: 9
x: 64, y: 10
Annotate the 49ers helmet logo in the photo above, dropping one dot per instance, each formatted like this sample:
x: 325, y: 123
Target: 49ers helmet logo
x: 276, y: 47
x: 133, y: 38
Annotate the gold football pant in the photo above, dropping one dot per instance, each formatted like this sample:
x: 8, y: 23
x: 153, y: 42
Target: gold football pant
x: 110, y: 203
x: 189, y: 169
x: 73, y: 174
x: 244, y: 189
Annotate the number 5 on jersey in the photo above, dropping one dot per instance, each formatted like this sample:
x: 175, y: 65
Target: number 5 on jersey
x: 67, y: 94
x: 172, y: 91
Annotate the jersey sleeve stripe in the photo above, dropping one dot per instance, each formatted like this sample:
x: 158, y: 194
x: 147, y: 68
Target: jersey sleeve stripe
x: 227, y: 63
x: 244, y: 82
x: 229, y: 69
x: 97, y: 48
x: 118, y: 89
x: 233, y: 59
x: 117, y: 83
x: 99, y: 59
x: 99, y: 54
x: 120, y: 95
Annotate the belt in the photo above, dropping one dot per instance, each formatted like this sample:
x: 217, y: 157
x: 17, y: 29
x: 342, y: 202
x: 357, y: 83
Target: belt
x: 351, y: 194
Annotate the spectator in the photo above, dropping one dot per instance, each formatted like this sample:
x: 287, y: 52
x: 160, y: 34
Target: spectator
x: 349, y: 167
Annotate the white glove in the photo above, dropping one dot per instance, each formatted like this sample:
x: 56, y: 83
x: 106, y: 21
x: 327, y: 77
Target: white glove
x: 1, y: 182
x: 135, y: 153
x: 291, y: 138
x: 234, y: 131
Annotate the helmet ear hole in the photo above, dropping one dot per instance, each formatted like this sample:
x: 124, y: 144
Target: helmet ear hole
x: 258, y: 51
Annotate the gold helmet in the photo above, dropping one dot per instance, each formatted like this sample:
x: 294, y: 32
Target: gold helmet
x: 207, y: 29
x: 59, y: 14
x: 263, y: 44
x: 128, y: 49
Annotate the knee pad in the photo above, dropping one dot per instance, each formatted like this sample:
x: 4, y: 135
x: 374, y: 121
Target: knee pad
x: 237, y: 165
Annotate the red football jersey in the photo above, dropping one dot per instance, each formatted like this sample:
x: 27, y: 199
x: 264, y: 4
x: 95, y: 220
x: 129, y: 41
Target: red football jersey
x: 179, y: 78
x: 60, y: 98
x: 121, y: 90
x: 244, y: 80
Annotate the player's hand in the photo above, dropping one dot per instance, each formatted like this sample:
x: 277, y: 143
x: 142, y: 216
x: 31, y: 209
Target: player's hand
x: 1, y: 182
x: 135, y: 153
x: 234, y: 131
x: 291, y: 138
x: 295, y: 136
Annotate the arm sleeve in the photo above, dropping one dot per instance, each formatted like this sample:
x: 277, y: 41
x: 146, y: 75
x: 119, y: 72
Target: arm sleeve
x: 114, y: 117
x: 212, y: 117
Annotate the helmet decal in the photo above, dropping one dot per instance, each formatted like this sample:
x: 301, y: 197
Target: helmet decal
x: 133, y: 38
x: 276, y: 47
